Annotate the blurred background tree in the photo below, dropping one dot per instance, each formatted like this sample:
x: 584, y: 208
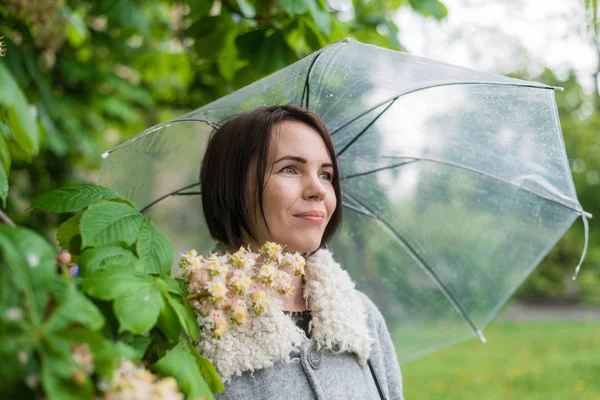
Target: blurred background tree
x: 79, y: 77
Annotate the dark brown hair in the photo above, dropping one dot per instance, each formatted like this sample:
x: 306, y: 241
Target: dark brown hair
x: 224, y: 173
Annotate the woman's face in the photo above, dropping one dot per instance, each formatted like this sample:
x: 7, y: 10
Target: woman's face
x: 298, y: 198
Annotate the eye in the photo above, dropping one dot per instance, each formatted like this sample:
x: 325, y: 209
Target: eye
x: 327, y: 175
x: 290, y: 169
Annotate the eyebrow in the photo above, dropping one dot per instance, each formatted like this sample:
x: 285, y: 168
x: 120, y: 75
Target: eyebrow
x: 300, y: 160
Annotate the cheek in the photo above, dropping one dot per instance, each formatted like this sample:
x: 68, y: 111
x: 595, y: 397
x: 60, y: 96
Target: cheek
x: 330, y: 202
x: 279, y: 197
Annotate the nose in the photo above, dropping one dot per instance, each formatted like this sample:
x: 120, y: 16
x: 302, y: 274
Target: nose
x: 314, y: 189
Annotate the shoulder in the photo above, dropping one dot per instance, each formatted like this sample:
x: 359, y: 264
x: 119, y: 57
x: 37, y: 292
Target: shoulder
x: 374, y: 316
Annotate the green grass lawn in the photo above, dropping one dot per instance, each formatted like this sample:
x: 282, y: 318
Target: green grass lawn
x: 521, y: 360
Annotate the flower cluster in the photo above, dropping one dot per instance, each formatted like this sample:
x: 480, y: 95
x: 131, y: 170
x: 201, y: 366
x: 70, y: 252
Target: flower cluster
x: 131, y: 382
x: 228, y: 288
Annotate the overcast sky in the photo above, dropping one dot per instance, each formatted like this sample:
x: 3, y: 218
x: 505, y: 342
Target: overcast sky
x: 505, y: 35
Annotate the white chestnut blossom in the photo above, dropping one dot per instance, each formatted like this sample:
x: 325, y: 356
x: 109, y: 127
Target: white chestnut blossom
x: 226, y: 289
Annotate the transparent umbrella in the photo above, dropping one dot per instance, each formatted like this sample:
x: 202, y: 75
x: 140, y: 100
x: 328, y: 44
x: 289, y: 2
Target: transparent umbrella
x: 455, y: 182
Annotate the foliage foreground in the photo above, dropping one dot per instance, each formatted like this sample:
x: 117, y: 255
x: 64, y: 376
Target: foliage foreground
x: 65, y: 335
x: 525, y: 360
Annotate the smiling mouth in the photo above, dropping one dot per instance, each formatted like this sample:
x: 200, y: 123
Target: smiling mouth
x: 316, y: 217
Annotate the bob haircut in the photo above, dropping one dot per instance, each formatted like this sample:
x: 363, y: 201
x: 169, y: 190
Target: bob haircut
x: 224, y: 174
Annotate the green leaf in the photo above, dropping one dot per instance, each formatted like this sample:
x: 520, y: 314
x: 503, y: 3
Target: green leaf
x: 95, y: 259
x: 210, y: 33
x: 75, y: 308
x: 137, y: 299
x: 314, y: 37
x: 320, y: 16
x: 69, y: 234
x: 72, y: 198
x: 186, y: 316
x: 3, y: 186
x: 154, y: 249
x: 17, y: 154
x: 20, y: 118
x: 228, y: 61
x: 110, y: 224
x: 293, y: 7
x: 57, y: 351
x: 183, y: 365
x: 113, y: 282
x: 208, y: 371
x: 13, y: 258
x: 138, y: 344
x: 16, y: 339
x: 430, y: 8
x: 274, y: 53
x: 109, y: 356
x: 9, y: 295
x: 5, y: 159
x: 138, y: 311
x: 295, y: 37
x: 10, y: 346
x: 5, y: 129
x: 168, y: 322
x: 172, y: 285
x: 31, y: 260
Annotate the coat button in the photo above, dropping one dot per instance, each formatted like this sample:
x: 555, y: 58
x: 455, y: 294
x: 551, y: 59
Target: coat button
x: 314, y: 359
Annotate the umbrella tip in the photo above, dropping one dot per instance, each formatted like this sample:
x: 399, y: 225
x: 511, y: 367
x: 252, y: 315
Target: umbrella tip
x: 105, y: 154
x: 558, y: 88
x: 480, y: 336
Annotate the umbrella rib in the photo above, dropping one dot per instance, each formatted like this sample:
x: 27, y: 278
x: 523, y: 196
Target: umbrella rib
x: 431, y: 87
x: 378, y: 169
x: 421, y: 263
x: 153, y: 129
x: 175, y: 193
x: 365, y: 129
x: 306, y: 91
x: 184, y: 119
x: 188, y: 194
x: 450, y: 164
x: 358, y: 210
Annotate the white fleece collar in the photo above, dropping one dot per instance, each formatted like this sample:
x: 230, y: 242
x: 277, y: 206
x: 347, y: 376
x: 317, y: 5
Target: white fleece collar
x: 339, y: 323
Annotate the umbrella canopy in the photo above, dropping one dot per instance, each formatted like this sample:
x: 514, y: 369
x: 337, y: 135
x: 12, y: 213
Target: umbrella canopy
x: 455, y: 182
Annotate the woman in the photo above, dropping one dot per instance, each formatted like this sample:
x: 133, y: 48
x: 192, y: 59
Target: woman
x: 271, y: 175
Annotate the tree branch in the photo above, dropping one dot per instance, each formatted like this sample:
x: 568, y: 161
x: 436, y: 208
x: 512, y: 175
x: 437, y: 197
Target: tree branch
x: 5, y: 219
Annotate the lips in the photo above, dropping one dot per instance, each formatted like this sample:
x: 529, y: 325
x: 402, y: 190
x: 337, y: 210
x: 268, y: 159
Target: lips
x: 312, y: 213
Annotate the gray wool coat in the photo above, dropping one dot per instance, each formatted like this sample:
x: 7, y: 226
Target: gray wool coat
x: 349, y: 355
